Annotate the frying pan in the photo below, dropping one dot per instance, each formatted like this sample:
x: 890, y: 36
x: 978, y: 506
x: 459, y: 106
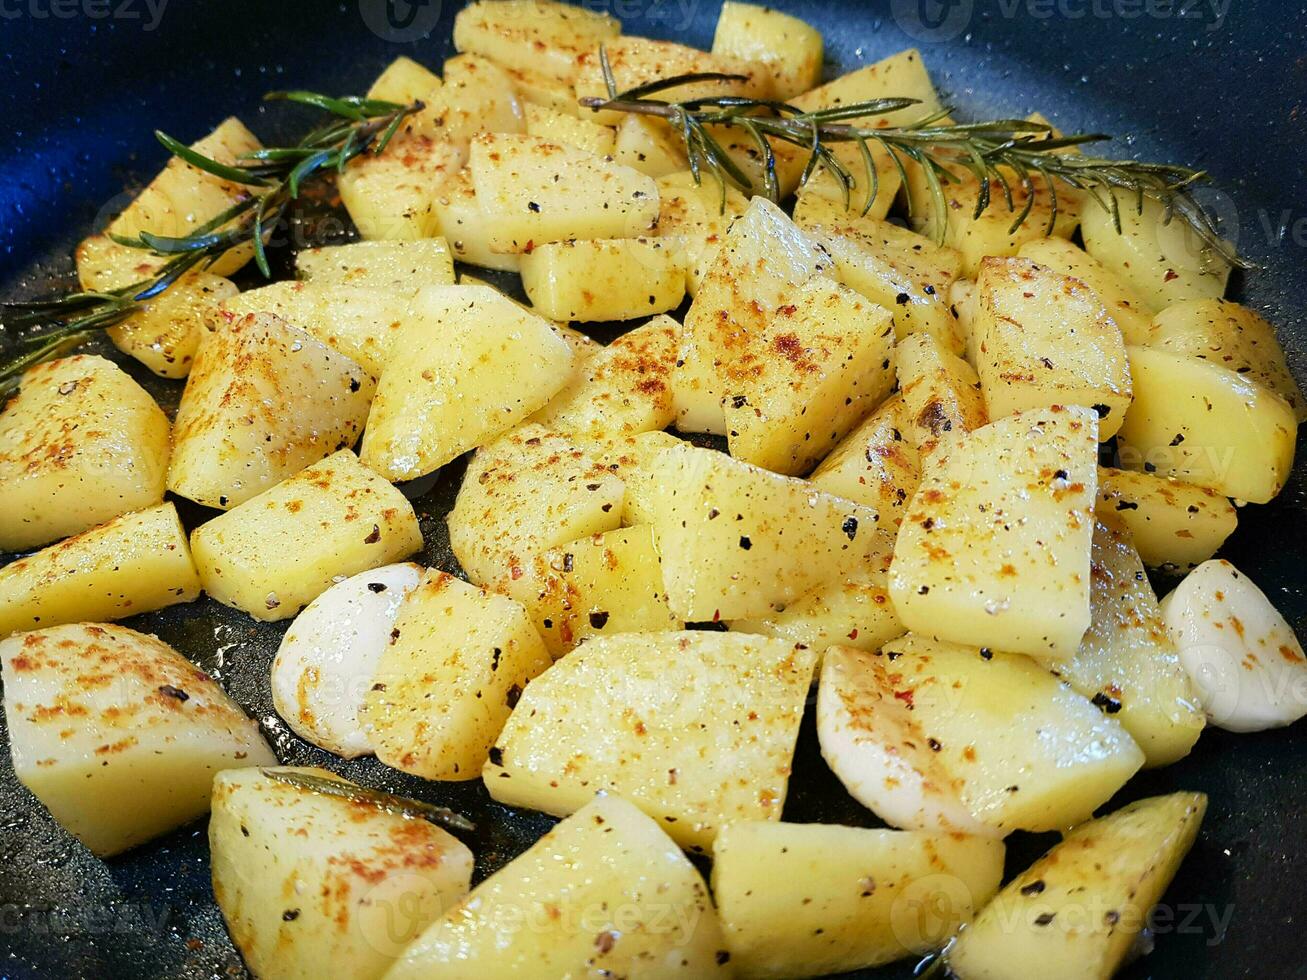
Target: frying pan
x: 1220, y: 85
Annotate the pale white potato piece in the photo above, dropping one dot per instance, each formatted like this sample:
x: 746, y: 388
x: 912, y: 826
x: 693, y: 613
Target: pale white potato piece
x: 1047, y: 339
x: 118, y: 734
x: 789, y: 48
x: 737, y: 540
x: 1164, y: 263
x: 455, y: 666
x: 1207, y: 425
x: 1078, y: 911
x: 133, y: 564
x: 714, y: 747
x: 400, y: 267
x: 995, y: 547
x: 277, y: 552
x: 605, y: 893
x: 1124, y: 303
x: 524, y: 493
x: 614, y: 279
x: 80, y: 444
x: 475, y: 363
x: 1174, y: 525
x: 549, y: 36
x: 874, y: 465
x: 1246, y: 663
x: 313, y: 885
x: 804, y: 900
x: 942, y: 401
x: 1127, y: 665
x: 390, y: 196
x: 327, y: 658
x: 264, y: 400
x: 692, y: 215
x: 532, y: 192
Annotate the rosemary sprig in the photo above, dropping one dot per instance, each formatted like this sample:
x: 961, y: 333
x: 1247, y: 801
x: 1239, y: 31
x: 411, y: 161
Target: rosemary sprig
x: 390, y: 803
x: 276, y: 176
x: 1001, y: 153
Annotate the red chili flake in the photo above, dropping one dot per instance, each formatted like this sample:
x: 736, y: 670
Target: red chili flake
x: 904, y: 696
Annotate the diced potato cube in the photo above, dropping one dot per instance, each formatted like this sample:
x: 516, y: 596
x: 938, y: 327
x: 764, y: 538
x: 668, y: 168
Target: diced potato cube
x: 457, y: 662
x: 524, y: 493
x: 549, y: 36
x: 815, y: 370
x: 182, y: 198
x: 637, y: 465
x: 539, y: 88
x: 562, y: 127
x: 601, y: 585
x: 1046, y: 339
x: 874, y: 465
x: 789, y: 48
x: 694, y: 217
x: 1231, y: 336
x: 995, y: 547
x: 475, y: 363
x: 532, y: 192
x: 1174, y: 525
x: 459, y: 218
x: 401, y: 267
x: 264, y: 400
x: 648, y: 146
x: 477, y: 97
x: 80, y: 444
x: 1127, y: 664
x: 1204, y: 424
x: 737, y: 540
x: 645, y: 910
x: 1020, y: 749
x: 640, y: 60
x: 133, y: 564
x: 713, y: 748
x: 615, y: 279
x: 1104, y: 877
x: 941, y: 396
x: 757, y: 271
x: 117, y: 733
x: 1165, y: 263
x: 391, y: 195
x: 318, y: 885
x: 1124, y: 303
x: 274, y: 554
x: 404, y: 81
x: 852, y: 898
x: 904, y: 272
x: 856, y: 614
x: 622, y: 389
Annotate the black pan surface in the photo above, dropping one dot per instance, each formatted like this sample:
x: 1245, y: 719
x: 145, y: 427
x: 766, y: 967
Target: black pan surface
x: 1213, y: 83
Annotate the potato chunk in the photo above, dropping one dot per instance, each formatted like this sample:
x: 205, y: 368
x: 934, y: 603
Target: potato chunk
x: 1231, y: 336
x: 135, y: 563
x: 713, y: 748
x: 563, y: 127
x: 475, y: 363
x: 80, y: 444
x: 524, y: 493
x: 264, y: 400
x: 1014, y: 746
x: 277, y: 552
x: 904, y: 272
x: 1077, y: 912
x: 756, y: 273
x: 789, y: 48
x: 856, y: 614
x: 459, y: 218
x: 404, y: 81
x: 316, y: 885
x: 638, y: 909
x: 549, y: 36
x: 852, y: 898
x: 596, y: 586
x: 1174, y: 525
x: 477, y: 97
x: 737, y: 540
x: 118, y: 734
x: 692, y: 215
x: 454, y: 669
x: 1124, y: 303
x: 647, y: 145
x: 1207, y: 425
x: 614, y: 279
x: 532, y: 192
x: 1047, y: 339
x: 942, y: 401
x: 401, y: 267
x: 1127, y: 664
x: 995, y: 547
x: 391, y: 195
x: 874, y: 465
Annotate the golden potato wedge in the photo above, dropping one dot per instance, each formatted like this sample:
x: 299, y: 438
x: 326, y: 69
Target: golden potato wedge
x: 713, y: 748
x: 401, y: 267
x: 636, y: 460
x: 647, y: 145
x: 874, y: 465
x: 857, y: 614
x: 1175, y: 526
x: 790, y: 49
x: 613, y: 279
x: 477, y: 97
x: 1124, y: 303
x: 458, y: 217
x: 80, y: 444
x: 391, y: 195
x: 942, y: 401
x: 551, y: 37
x: 692, y: 215
x: 569, y: 129
x: 404, y: 81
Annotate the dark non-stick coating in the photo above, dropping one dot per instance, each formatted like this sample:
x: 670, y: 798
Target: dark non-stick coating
x: 83, y: 83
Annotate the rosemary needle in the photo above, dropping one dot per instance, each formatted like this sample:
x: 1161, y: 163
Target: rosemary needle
x: 390, y: 803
